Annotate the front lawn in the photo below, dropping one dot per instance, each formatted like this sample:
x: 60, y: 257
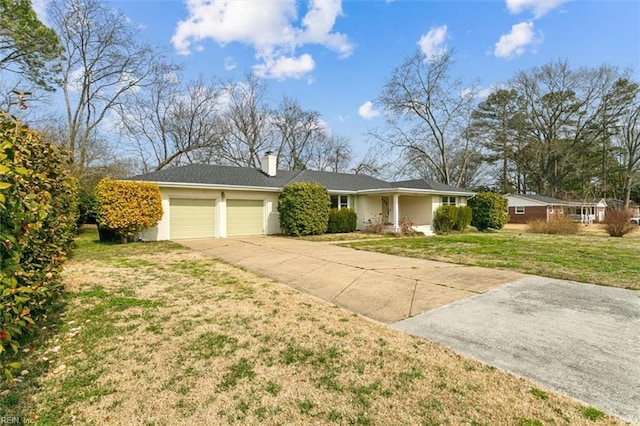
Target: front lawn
x: 587, y: 257
x: 150, y: 333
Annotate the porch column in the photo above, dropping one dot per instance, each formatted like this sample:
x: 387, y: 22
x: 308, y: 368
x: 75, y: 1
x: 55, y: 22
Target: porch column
x: 396, y: 212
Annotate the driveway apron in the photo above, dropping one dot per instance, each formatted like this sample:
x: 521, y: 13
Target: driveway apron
x: 579, y: 339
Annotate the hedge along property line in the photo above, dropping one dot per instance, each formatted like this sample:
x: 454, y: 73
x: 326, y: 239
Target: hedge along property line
x: 127, y: 207
x: 38, y: 213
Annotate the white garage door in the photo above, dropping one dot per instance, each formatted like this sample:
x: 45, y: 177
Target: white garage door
x: 192, y: 218
x: 245, y: 217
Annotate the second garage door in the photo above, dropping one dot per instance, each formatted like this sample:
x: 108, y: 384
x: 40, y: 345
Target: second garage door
x: 245, y: 217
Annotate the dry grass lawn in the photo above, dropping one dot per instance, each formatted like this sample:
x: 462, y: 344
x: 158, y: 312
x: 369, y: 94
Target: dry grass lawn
x: 154, y: 334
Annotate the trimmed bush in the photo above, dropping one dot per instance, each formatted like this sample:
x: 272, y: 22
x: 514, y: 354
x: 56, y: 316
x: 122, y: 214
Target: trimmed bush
x: 617, y: 221
x: 304, y: 209
x: 126, y: 208
x: 342, y: 220
x: 489, y: 211
x: 559, y: 225
x: 463, y: 219
x: 445, y: 219
x: 38, y: 214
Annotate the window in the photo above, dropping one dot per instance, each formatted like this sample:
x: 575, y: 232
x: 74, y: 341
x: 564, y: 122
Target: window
x: 519, y: 209
x: 339, y: 201
x: 448, y: 201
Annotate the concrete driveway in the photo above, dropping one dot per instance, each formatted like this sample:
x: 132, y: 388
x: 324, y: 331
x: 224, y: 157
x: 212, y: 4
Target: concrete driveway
x: 579, y: 339
x: 380, y: 286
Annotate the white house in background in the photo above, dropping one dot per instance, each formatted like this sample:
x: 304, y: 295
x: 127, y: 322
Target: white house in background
x: 205, y: 201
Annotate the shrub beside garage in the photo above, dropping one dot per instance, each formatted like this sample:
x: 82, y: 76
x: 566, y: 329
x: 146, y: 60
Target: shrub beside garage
x: 126, y: 208
x: 38, y: 215
x: 304, y: 209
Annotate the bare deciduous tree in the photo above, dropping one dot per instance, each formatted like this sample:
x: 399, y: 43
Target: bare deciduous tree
x: 244, y: 129
x: 296, y: 130
x: 171, y: 123
x: 103, y: 60
x: 427, y: 110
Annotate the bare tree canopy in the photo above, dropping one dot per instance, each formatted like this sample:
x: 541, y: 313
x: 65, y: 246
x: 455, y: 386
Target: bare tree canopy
x: 570, y: 116
x: 103, y: 60
x: 170, y: 123
x: 427, y: 113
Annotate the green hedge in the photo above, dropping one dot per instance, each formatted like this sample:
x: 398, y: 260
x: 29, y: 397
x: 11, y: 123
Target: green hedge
x: 342, y: 220
x: 304, y: 209
x: 489, y: 211
x: 38, y: 214
x: 451, y: 218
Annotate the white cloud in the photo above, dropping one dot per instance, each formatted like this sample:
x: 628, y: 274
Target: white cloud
x: 484, y: 92
x: 538, y: 7
x: 229, y: 63
x: 367, y: 112
x: 515, y: 43
x: 284, y: 67
x: 432, y: 43
x: 272, y: 28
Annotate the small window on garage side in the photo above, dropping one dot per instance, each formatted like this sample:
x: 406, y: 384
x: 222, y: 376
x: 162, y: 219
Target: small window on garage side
x: 448, y: 201
x: 339, y: 201
x: 519, y: 209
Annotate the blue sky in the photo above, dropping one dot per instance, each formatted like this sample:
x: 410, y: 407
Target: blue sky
x: 334, y: 56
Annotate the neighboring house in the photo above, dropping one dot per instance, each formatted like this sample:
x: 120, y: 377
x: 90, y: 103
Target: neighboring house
x: 203, y: 201
x: 587, y: 211
x: 524, y: 208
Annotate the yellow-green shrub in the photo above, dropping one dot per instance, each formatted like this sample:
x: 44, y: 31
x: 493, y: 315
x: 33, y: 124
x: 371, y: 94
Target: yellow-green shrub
x: 128, y: 207
x: 38, y: 213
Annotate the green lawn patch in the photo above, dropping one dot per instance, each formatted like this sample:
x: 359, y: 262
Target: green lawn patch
x: 585, y: 258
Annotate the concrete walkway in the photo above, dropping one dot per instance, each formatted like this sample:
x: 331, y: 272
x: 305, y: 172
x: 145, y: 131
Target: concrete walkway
x: 383, y: 287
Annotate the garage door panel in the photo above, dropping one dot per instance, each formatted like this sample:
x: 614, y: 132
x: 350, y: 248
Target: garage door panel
x: 192, y: 218
x: 245, y: 217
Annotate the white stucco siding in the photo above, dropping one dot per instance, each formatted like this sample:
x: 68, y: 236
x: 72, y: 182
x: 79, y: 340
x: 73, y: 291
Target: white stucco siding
x: 367, y: 207
x: 417, y: 208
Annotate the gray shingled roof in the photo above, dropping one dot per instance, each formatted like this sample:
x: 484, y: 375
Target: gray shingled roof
x: 427, y: 184
x: 542, y: 199
x: 218, y: 175
x: 249, y: 176
x: 341, y: 181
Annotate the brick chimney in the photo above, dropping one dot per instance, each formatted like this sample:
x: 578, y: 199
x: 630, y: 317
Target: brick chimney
x: 269, y: 163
